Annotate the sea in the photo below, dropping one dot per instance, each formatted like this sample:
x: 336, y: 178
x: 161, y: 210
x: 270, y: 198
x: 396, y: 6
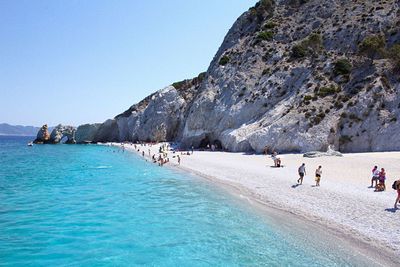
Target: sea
x: 95, y: 205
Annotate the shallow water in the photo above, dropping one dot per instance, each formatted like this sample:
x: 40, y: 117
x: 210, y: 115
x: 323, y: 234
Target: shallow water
x: 74, y: 205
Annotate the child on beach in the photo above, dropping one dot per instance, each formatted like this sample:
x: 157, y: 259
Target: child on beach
x: 318, y: 173
x: 375, y: 176
x: 302, y: 172
x: 381, y: 185
x: 276, y: 159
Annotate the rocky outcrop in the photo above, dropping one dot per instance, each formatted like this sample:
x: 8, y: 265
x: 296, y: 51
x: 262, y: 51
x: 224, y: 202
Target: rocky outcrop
x: 43, y: 135
x: 57, y: 134
x: 107, y: 132
x: 61, y: 131
x: 329, y: 153
x: 86, y: 133
x: 159, y: 117
x: 291, y: 75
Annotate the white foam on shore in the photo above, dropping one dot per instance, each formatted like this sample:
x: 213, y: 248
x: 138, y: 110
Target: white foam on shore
x: 343, y: 204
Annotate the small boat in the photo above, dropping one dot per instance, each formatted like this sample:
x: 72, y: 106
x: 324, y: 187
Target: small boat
x: 30, y: 144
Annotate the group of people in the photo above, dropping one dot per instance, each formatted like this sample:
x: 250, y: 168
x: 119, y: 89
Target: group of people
x: 302, y: 173
x: 379, y: 177
x: 302, y: 169
x: 162, y: 157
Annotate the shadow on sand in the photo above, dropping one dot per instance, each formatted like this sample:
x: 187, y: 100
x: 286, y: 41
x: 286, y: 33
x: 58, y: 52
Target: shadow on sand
x: 295, y: 185
x: 393, y: 210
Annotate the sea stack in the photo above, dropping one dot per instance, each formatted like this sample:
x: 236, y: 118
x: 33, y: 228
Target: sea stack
x: 58, y: 133
x: 43, y: 135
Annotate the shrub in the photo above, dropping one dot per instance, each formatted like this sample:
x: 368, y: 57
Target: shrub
x: 314, y: 41
x: 179, y: 85
x: 354, y: 117
x: 270, y: 25
x: 316, y: 120
x: 265, y: 4
x: 309, y: 46
x: 307, y: 98
x: 298, y: 51
x: 297, y: 2
x: 394, y: 55
x: 373, y: 46
x: 201, y: 77
x: 338, y: 105
x: 265, y: 35
x: 261, y: 8
x: 342, y: 67
x: 325, y: 91
x: 224, y: 60
x: 321, y: 115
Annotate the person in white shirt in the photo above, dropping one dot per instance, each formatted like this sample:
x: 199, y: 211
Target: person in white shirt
x: 375, y: 176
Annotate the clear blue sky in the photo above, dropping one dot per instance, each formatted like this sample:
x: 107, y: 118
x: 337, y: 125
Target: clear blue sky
x: 80, y: 61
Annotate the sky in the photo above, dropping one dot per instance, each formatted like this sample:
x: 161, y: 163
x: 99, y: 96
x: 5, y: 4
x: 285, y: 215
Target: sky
x: 85, y: 61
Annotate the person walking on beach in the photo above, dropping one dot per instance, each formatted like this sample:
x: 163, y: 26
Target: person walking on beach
x: 318, y: 173
x: 179, y: 160
x: 302, y: 172
x: 397, y: 187
x: 375, y: 176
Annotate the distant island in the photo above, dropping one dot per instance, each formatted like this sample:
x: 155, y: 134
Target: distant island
x: 18, y: 130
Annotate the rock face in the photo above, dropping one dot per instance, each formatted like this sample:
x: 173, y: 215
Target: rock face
x: 43, y: 135
x: 291, y: 75
x: 107, y: 132
x: 159, y: 117
x: 61, y: 131
x: 86, y: 133
x: 260, y: 90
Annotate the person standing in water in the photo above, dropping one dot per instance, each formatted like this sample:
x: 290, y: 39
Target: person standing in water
x: 302, y: 172
x: 318, y: 173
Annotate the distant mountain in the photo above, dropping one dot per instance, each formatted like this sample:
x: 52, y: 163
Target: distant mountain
x: 7, y: 129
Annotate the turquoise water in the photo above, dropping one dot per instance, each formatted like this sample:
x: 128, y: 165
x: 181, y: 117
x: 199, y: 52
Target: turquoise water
x: 71, y: 205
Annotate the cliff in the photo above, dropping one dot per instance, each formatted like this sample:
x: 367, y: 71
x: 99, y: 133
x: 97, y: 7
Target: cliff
x: 294, y: 75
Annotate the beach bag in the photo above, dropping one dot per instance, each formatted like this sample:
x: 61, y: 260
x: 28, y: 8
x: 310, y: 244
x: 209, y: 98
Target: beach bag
x: 394, y: 185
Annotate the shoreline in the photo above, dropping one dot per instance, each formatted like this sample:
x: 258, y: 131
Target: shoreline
x: 383, y: 249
